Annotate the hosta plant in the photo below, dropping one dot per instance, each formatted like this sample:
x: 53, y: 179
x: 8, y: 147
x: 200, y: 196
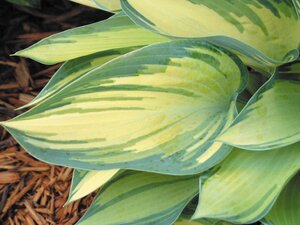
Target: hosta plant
x: 185, y: 111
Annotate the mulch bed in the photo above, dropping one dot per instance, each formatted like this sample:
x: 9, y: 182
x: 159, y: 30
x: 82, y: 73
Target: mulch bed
x: 33, y: 192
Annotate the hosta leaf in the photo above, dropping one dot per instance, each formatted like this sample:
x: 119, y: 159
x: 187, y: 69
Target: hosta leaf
x: 142, y: 198
x: 297, y: 6
x: 257, y: 29
x: 286, y: 210
x: 243, y: 188
x: 109, y: 5
x: 186, y: 221
x: 74, y: 69
x: 271, y: 118
x: 183, y: 220
x: 85, y: 182
x: 112, y: 34
x: 140, y: 112
x: 186, y: 216
x: 89, y: 3
x: 30, y: 3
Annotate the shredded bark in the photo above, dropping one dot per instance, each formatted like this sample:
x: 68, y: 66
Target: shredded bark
x: 33, y: 192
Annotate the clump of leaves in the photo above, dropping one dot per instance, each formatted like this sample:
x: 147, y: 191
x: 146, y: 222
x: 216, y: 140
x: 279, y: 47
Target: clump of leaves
x: 169, y: 100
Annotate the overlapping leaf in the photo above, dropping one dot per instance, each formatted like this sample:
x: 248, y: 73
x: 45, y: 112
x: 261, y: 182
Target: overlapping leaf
x: 112, y: 34
x: 85, y: 182
x: 286, y: 210
x: 271, y: 118
x: 89, y: 3
x: 183, y: 220
x: 297, y: 6
x: 142, y: 198
x: 243, y: 188
x: 109, y: 5
x: 140, y: 112
x: 257, y: 29
x: 74, y: 69
x: 186, y: 221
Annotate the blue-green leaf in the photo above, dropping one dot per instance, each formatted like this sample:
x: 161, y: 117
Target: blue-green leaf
x: 265, y: 33
x: 74, y: 69
x: 142, y: 198
x: 244, y: 187
x: 159, y: 114
x: 84, y: 182
x: 115, y: 33
x: 271, y: 118
x: 286, y: 210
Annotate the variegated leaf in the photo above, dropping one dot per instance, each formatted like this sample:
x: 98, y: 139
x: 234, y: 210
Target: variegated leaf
x: 85, y: 182
x: 142, y: 198
x: 286, y: 210
x: 89, y: 3
x: 186, y: 216
x: 243, y: 188
x: 183, y: 220
x: 74, y: 69
x: 108, y: 5
x: 114, y: 33
x: 271, y: 118
x: 186, y: 221
x: 297, y: 6
x: 257, y: 29
x: 140, y: 112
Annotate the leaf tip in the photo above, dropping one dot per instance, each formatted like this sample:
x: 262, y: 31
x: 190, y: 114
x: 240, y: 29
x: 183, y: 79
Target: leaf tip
x: 4, y: 123
x: 18, y: 53
x: 68, y: 202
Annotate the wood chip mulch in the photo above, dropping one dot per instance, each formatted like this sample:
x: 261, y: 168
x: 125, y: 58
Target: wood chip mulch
x: 33, y: 192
